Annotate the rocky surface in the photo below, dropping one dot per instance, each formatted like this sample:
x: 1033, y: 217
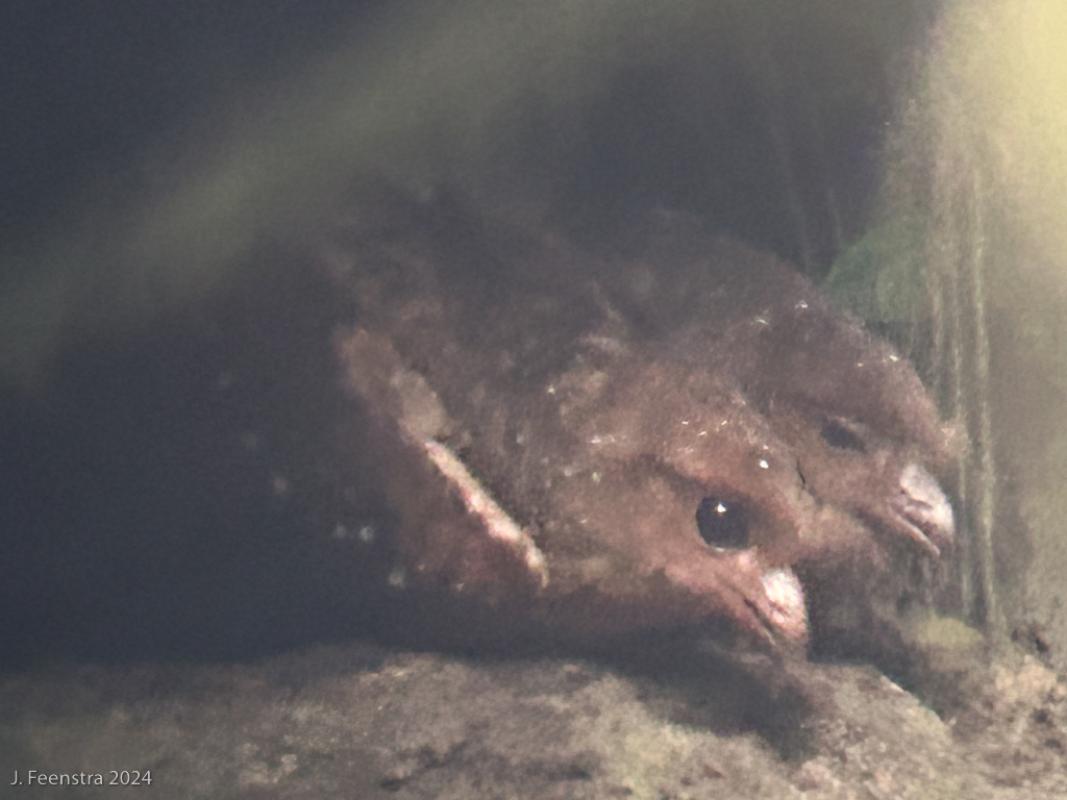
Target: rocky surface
x: 363, y: 721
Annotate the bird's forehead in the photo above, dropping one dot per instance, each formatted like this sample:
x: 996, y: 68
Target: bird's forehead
x: 799, y: 350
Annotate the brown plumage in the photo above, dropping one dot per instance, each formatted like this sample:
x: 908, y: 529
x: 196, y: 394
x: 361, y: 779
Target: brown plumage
x: 447, y: 429
x: 662, y: 434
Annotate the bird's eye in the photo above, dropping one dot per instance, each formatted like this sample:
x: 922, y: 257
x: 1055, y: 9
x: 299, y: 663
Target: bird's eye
x: 837, y: 435
x: 723, y: 523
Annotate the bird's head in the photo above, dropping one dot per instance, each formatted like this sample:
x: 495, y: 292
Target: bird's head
x: 771, y: 435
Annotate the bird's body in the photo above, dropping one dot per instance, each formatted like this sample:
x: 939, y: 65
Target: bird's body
x: 657, y: 436
x: 444, y: 428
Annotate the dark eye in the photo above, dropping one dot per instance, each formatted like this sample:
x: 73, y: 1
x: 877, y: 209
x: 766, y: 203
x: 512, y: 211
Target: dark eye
x: 837, y: 435
x: 722, y: 523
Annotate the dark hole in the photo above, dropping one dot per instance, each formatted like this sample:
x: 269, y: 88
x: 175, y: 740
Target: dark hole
x: 837, y: 435
x: 722, y: 523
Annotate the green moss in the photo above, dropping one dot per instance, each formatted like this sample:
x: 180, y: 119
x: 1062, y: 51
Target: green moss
x: 880, y: 277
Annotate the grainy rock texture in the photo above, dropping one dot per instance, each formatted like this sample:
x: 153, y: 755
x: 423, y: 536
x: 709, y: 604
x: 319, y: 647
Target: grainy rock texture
x: 360, y: 721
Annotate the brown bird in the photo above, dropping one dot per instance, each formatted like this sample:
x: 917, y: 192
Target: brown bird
x: 446, y: 428
x: 677, y: 431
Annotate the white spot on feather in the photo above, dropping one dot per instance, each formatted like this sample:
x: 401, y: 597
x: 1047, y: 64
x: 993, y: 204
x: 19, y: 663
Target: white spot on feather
x: 397, y: 579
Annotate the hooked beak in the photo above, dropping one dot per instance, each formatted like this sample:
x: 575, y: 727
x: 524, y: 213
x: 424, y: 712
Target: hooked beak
x: 921, y: 510
x: 787, y: 614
